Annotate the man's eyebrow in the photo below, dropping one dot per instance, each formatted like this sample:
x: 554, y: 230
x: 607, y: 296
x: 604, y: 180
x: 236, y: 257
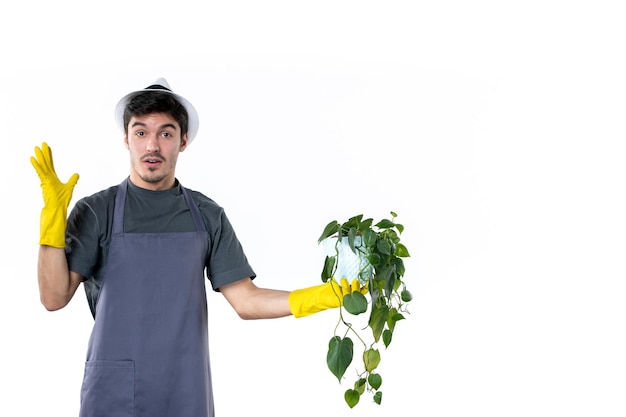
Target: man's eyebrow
x: 163, y: 126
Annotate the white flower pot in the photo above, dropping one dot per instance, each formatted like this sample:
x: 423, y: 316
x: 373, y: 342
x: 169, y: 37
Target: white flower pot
x: 349, y: 264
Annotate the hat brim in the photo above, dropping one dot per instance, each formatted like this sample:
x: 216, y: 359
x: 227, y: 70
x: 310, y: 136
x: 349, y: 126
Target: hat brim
x: 193, y: 122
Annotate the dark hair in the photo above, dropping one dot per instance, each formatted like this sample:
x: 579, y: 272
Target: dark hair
x: 148, y: 102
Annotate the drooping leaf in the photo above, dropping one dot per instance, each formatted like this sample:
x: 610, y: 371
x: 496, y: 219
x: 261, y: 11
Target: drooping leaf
x: 351, y: 238
x: 339, y: 355
x: 352, y: 397
x: 375, y: 380
x: 359, y: 385
x: 371, y: 359
x: 393, y: 318
x: 397, y: 317
x: 373, y: 291
x: 391, y: 282
x: 330, y: 229
x: 378, y: 397
x: 406, y: 295
x: 329, y: 268
x: 399, y: 266
x: 377, y: 320
x: 369, y: 237
x: 391, y: 324
x: 384, y: 247
x: 387, y: 336
x: 402, y: 251
x: 355, y: 303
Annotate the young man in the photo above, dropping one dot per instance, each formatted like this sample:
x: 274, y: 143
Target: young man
x: 140, y: 250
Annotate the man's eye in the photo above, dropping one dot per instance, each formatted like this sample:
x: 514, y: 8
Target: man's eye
x: 166, y: 134
x: 139, y: 133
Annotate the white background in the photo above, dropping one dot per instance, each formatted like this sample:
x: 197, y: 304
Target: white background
x: 494, y: 129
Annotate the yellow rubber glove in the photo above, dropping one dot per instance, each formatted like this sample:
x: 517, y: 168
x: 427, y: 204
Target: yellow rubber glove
x: 56, y: 198
x: 306, y: 301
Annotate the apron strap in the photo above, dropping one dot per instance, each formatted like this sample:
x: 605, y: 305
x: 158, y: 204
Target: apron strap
x: 118, y: 213
x: 195, y: 211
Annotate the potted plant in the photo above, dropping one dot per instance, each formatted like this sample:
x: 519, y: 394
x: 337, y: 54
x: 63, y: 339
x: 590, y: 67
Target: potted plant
x: 374, y: 255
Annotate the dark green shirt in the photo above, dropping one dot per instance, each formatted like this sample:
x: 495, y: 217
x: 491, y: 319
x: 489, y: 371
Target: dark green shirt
x: 89, y: 224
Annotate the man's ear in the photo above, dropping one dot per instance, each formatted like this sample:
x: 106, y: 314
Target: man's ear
x: 183, y: 143
x: 126, y: 141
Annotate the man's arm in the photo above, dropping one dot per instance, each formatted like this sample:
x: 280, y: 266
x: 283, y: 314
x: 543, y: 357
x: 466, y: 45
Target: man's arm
x: 57, y: 285
x: 252, y: 302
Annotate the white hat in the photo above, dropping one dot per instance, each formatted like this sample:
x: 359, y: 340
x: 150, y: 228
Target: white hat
x: 161, y: 85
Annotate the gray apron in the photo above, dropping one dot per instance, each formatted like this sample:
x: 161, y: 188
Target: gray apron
x: 148, y: 352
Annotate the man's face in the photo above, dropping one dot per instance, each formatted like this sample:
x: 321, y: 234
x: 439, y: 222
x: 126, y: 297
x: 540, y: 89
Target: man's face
x: 154, y: 141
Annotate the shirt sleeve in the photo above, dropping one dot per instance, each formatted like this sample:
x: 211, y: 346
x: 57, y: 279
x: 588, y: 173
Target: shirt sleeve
x: 82, y: 240
x: 226, y: 262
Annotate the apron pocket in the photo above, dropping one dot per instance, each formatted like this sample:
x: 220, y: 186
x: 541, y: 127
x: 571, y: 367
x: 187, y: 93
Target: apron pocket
x: 108, y: 389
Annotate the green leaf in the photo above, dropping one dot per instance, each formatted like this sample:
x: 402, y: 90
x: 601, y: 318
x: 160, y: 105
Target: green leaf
x: 397, y: 317
x: 366, y: 225
x: 385, y: 224
x: 387, y: 336
x: 371, y: 359
x: 402, y: 251
x: 351, y: 237
x: 355, y: 303
x: 373, y: 259
x: 329, y: 268
x: 352, y: 222
x: 375, y: 381
x: 391, y: 324
x: 399, y: 264
x: 392, y: 235
x: 378, y: 397
x: 352, y: 397
x: 339, y: 355
x: 378, y: 318
x: 391, y: 282
x: 359, y: 385
x: 406, y: 296
x: 383, y: 247
x: 394, y: 317
x: 369, y: 237
x: 330, y: 229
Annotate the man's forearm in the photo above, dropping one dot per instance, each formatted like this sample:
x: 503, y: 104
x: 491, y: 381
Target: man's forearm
x: 56, y: 284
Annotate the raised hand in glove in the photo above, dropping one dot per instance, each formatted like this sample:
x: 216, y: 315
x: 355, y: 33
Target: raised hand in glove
x: 56, y: 198
x: 306, y: 301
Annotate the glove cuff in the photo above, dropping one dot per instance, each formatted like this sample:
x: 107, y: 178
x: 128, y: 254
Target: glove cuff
x: 52, y: 227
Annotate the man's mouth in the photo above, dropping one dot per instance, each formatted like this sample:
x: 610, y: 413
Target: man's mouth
x: 152, y: 160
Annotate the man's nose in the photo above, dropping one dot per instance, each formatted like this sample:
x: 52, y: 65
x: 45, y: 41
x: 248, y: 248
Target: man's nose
x: 152, y: 144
